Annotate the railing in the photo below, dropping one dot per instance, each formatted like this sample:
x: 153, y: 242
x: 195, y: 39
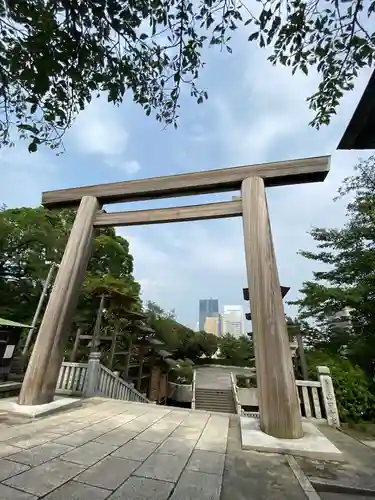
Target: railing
x: 193, y: 390
x: 236, y: 398
x: 71, y: 378
x: 317, y: 399
x: 112, y: 386
x: 310, y: 400
x: 93, y: 379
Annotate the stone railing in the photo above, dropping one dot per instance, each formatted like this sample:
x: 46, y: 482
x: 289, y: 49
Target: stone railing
x: 72, y: 378
x: 317, y: 398
x: 93, y: 379
x: 236, y: 398
x: 193, y: 390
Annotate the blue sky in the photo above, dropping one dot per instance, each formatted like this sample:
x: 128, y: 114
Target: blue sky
x: 255, y: 113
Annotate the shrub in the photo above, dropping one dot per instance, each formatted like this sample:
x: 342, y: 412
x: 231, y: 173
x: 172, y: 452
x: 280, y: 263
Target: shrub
x: 182, y: 373
x: 354, y: 399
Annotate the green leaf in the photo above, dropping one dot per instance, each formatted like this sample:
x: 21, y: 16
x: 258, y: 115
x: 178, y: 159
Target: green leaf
x: 253, y: 36
x: 33, y: 147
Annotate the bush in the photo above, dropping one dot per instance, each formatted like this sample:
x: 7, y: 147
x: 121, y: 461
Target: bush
x: 183, y: 371
x: 354, y: 400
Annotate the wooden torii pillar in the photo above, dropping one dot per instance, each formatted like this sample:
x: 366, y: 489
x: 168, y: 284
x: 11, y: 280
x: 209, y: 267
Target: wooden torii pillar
x: 277, y: 389
x: 279, y: 407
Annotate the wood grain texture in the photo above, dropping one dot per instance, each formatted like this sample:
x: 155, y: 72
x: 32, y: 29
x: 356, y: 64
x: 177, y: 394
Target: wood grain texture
x: 279, y: 173
x: 175, y: 214
x: 44, y: 366
x: 280, y: 414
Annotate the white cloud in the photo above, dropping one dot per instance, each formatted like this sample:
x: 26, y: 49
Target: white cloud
x: 128, y: 167
x: 99, y: 130
x: 25, y: 175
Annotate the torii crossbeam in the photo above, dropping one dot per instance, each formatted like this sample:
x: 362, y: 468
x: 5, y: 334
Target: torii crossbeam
x: 280, y: 414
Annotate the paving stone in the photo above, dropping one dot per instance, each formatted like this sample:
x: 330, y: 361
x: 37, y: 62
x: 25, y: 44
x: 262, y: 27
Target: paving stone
x: 34, y: 440
x: 206, y: 461
x: 140, y: 488
x: 69, y: 427
x: 80, y: 437
x: 116, y: 437
x: 7, y: 493
x: 216, y: 443
x: 176, y: 446
x: 89, y: 453
x: 163, y: 467
x: 197, y: 421
x: 123, y: 418
x: 7, y: 449
x: 78, y: 491
x: 40, y: 454
x: 187, y: 432
x: 155, y: 436
x: 138, y: 424
x: 163, y: 425
x: 9, y: 469
x: 194, y: 485
x: 135, y: 450
x: 44, y: 478
x: 109, y: 473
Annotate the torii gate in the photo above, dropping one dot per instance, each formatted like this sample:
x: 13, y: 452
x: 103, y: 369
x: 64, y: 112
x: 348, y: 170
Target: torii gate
x: 279, y: 406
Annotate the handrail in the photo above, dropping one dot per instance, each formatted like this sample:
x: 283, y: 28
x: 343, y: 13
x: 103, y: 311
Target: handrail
x: 122, y: 382
x: 193, y: 390
x: 235, y: 394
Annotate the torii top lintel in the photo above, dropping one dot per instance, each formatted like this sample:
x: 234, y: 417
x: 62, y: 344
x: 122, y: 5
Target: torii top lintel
x: 281, y: 173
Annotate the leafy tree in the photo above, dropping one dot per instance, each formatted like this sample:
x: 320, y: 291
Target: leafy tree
x: 183, y: 371
x: 30, y: 239
x: 352, y: 389
x: 208, y: 343
x: 239, y: 351
x: 349, y: 278
x: 336, y: 37
x: 56, y: 55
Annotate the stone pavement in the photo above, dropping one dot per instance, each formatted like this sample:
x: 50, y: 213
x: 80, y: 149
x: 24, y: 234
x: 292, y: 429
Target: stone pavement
x: 213, y: 378
x: 117, y: 450
x: 108, y: 449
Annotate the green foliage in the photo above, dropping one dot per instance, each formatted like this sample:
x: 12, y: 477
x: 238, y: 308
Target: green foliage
x: 354, y: 399
x: 348, y: 279
x: 55, y: 56
x: 30, y: 239
x: 238, y: 351
x: 183, y: 371
x: 335, y: 37
x: 181, y: 340
x: 246, y: 382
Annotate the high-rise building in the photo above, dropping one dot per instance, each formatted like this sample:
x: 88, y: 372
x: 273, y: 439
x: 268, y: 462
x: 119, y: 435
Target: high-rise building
x: 207, y: 307
x: 233, y: 321
x: 212, y: 325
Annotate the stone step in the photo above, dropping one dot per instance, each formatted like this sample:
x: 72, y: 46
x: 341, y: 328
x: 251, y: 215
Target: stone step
x: 212, y: 397
x: 214, y: 401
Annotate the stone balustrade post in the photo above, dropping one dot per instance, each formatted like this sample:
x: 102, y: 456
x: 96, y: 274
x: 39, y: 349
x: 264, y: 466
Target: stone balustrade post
x: 329, y: 398
x: 116, y: 384
x: 92, y: 375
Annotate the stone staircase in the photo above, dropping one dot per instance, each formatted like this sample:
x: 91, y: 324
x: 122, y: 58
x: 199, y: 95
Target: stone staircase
x: 220, y: 400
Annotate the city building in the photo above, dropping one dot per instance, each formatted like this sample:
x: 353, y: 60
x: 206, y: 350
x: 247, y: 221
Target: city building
x: 233, y: 321
x: 207, y: 308
x: 212, y: 325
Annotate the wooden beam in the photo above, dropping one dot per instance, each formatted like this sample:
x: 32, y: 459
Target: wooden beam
x: 279, y: 173
x: 43, y: 370
x: 175, y: 214
x: 280, y: 414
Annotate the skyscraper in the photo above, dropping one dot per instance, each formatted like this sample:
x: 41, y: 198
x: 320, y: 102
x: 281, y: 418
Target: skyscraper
x: 207, y: 307
x: 233, y: 321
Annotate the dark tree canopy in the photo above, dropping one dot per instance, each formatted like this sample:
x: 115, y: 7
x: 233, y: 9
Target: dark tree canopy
x: 56, y: 55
